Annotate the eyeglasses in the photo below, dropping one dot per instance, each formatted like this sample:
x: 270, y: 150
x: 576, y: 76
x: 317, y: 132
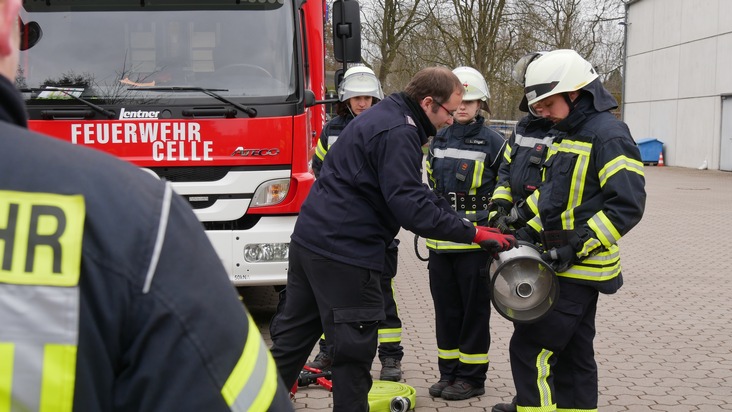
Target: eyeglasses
x: 450, y: 113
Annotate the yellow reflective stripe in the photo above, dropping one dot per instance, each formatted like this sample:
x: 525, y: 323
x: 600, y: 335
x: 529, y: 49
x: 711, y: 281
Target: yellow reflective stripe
x: 618, y: 164
x: 579, y: 174
x: 503, y: 192
x: 390, y: 335
x: 42, y: 233
x: 535, y: 223
x: 435, y: 244
x: 533, y: 202
x: 428, y: 167
x: 576, y: 147
x: 550, y: 408
x: 474, y: 358
x: 269, y: 387
x: 603, y: 266
x: 58, y: 379
x: 254, y: 349
x: 507, y: 154
x: 6, y: 375
x: 477, y: 177
x: 575, y: 410
x: 542, y: 376
x: 448, y: 354
x: 320, y: 150
x: 589, y: 245
x: 604, y: 229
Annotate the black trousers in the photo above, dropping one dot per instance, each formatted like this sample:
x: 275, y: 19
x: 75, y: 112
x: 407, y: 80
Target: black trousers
x: 390, y: 329
x: 553, y: 360
x: 344, y: 302
x: 459, y: 286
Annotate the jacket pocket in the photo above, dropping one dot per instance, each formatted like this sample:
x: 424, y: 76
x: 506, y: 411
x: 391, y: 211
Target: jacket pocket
x: 560, y: 168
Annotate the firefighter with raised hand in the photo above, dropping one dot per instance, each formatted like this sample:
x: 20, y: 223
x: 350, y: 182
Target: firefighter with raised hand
x: 593, y: 193
x: 370, y: 186
x: 462, y: 164
x: 521, y: 168
x: 359, y: 90
x: 111, y: 295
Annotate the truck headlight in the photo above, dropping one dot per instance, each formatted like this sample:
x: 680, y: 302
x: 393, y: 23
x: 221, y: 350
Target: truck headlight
x: 266, y: 252
x: 271, y: 193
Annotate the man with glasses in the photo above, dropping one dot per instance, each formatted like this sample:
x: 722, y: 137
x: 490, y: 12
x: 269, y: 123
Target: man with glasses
x: 370, y: 186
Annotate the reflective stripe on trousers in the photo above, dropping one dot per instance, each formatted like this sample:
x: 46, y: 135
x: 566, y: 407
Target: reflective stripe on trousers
x: 38, y: 343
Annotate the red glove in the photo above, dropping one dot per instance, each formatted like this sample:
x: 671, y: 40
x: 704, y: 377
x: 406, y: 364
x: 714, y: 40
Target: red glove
x: 492, y: 240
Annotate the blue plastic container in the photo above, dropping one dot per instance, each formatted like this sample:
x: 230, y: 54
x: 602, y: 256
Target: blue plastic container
x: 650, y: 150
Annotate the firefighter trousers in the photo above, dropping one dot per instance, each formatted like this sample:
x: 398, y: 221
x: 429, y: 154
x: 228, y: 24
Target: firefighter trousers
x: 459, y: 286
x: 345, y: 302
x: 553, y: 360
x: 390, y: 329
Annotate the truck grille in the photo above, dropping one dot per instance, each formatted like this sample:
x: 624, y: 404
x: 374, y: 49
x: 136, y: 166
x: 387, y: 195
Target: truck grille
x: 192, y: 174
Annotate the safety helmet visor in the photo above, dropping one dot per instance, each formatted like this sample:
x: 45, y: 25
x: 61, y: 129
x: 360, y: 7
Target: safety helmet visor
x: 360, y: 84
x: 519, y: 69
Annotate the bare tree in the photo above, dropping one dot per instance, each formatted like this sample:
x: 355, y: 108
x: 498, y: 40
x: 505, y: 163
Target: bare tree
x: 388, y: 25
x: 490, y: 35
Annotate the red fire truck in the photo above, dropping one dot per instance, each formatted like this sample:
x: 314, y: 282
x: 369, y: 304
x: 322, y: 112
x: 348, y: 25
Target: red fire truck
x: 222, y: 98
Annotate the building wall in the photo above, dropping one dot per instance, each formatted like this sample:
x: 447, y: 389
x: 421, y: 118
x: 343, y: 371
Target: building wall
x: 678, y: 68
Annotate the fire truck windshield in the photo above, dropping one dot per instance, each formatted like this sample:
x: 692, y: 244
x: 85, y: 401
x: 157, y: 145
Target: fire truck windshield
x: 99, y: 52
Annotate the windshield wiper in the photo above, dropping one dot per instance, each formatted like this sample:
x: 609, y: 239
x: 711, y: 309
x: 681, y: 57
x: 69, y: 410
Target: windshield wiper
x: 248, y: 110
x: 109, y: 113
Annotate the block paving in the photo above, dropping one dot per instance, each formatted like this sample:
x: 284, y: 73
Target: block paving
x: 664, y: 341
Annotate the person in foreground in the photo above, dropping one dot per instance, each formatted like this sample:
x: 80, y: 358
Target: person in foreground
x: 369, y: 186
x: 593, y: 193
x: 462, y: 164
x: 111, y: 295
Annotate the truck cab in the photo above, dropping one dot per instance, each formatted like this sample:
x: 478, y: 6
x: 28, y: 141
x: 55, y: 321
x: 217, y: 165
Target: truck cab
x: 219, y: 97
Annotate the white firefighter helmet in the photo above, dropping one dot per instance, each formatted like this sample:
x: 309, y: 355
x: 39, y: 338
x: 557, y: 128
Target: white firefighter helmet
x: 475, y: 86
x: 359, y: 81
x: 556, y: 72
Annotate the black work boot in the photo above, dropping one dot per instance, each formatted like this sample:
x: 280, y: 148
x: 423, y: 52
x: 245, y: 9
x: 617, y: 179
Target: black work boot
x: 322, y: 361
x: 391, y: 370
x: 437, y: 388
x: 505, y: 407
x: 461, y: 390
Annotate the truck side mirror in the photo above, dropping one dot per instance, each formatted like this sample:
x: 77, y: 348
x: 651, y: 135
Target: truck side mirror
x: 347, y: 31
x: 30, y: 34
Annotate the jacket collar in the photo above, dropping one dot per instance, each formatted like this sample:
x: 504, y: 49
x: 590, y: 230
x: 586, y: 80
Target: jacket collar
x: 582, y: 109
x: 12, y: 108
x: 460, y: 131
x: 419, y: 116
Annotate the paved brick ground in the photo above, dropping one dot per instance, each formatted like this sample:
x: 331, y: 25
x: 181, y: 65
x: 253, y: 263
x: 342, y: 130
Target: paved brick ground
x: 664, y: 341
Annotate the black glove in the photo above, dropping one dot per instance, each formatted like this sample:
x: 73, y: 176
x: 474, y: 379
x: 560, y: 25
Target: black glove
x: 527, y: 234
x: 560, y: 259
x: 504, y: 224
x: 498, y: 208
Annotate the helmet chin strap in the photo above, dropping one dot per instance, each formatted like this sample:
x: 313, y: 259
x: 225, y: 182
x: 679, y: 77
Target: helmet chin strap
x: 571, y: 103
x: 574, y: 117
